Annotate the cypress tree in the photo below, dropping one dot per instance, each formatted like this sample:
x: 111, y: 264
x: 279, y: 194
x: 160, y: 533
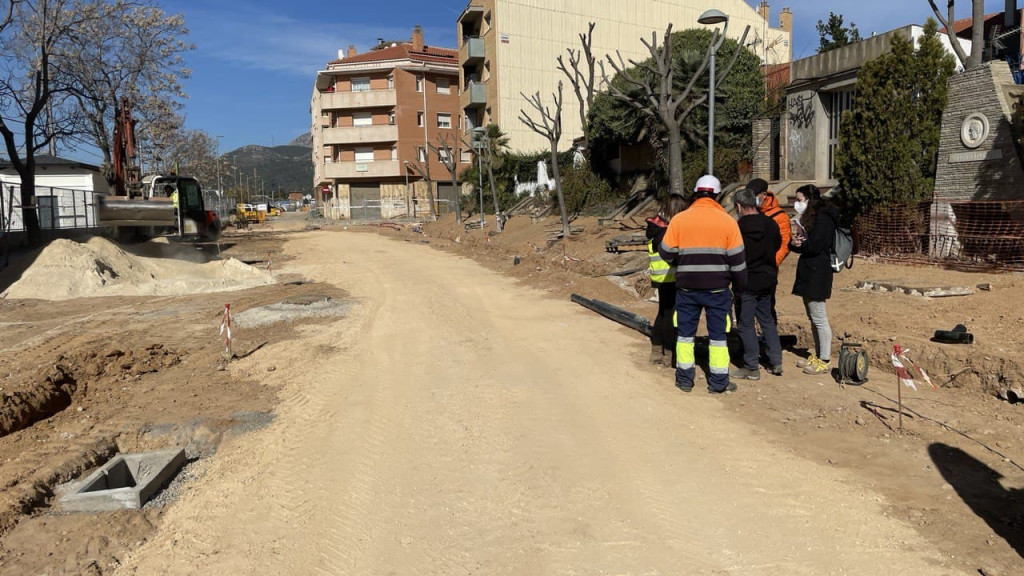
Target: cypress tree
x: 890, y: 138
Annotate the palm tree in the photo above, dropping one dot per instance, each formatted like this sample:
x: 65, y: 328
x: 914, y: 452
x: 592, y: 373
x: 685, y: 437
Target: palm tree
x: 497, y: 148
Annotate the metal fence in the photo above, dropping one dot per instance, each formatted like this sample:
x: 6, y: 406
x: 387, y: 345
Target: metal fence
x: 223, y: 206
x: 57, y: 208
x: 973, y: 235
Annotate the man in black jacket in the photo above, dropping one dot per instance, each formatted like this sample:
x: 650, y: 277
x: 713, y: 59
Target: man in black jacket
x: 762, y: 239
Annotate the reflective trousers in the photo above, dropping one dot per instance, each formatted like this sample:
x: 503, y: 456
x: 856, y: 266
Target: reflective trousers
x: 689, y: 305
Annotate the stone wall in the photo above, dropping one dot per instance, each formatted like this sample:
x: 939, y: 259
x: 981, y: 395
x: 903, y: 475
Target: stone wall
x: 762, y: 135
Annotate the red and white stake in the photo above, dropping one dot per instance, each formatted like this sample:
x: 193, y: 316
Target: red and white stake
x: 225, y: 330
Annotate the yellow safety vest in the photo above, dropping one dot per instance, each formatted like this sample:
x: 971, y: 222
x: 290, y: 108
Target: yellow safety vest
x: 661, y: 271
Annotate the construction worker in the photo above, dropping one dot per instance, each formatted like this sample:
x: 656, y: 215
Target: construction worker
x: 705, y: 244
x: 663, y: 279
x: 769, y: 206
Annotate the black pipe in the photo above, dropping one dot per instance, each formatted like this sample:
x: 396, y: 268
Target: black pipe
x: 614, y: 313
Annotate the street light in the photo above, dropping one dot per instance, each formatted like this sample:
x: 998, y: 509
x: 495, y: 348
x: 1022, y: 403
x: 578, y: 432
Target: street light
x: 218, y: 165
x: 479, y: 144
x: 408, y: 197
x: 712, y: 17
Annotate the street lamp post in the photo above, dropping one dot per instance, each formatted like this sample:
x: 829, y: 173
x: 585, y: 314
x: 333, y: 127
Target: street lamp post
x: 408, y: 197
x: 481, y: 140
x: 712, y: 17
x: 218, y: 165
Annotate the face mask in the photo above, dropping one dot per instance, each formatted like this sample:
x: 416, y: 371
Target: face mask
x: 800, y: 207
x: 760, y: 200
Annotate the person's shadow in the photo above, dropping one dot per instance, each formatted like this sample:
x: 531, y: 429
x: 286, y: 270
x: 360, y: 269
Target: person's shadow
x: 978, y: 485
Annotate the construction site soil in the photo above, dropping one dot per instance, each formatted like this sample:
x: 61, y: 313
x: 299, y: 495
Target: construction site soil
x: 106, y: 361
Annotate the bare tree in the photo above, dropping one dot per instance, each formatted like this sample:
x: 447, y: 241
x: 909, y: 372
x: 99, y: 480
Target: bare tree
x: 550, y: 127
x: 659, y: 97
x: 35, y: 92
x: 446, y: 154
x: 977, y: 31
x: 582, y: 80
x: 423, y: 169
x: 130, y: 50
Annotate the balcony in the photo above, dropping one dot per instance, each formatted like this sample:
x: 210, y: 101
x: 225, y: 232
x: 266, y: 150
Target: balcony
x: 361, y: 134
x: 474, y: 96
x: 379, y: 169
x: 472, y: 50
x: 365, y: 99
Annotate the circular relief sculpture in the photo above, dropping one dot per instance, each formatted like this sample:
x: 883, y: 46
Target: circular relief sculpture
x: 974, y: 130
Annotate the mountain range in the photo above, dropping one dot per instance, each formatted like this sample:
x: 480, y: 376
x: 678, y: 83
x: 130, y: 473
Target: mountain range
x: 281, y: 169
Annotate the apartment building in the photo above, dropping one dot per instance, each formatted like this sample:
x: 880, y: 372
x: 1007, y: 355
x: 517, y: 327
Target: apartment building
x: 373, y: 115
x: 508, y: 47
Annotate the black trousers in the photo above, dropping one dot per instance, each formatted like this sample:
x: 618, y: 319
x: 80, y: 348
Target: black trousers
x: 663, y: 332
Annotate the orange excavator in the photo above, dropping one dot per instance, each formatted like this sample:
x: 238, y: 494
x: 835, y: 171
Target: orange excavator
x: 144, y: 207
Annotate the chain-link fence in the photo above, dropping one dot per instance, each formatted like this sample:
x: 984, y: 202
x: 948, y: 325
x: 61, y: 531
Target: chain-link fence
x: 57, y: 208
x: 969, y: 234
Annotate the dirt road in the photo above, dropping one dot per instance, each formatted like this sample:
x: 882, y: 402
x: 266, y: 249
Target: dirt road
x: 458, y: 423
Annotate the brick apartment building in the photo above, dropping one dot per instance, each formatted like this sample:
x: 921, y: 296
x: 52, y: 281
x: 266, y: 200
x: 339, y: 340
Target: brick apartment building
x: 372, y: 117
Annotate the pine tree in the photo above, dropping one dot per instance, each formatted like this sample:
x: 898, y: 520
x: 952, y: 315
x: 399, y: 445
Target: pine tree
x: 890, y: 138
x: 834, y: 35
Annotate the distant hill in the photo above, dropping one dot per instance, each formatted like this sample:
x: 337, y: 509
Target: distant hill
x: 305, y: 140
x: 281, y: 168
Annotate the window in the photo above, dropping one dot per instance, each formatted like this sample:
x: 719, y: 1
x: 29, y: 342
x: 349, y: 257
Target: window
x: 394, y: 153
x: 443, y: 86
x: 391, y: 118
x: 419, y: 83
x: 419, y: 118
x: 362, y: 119
x: 391, y: 81
x: 421, y: 153
x: 364, y: 154
x: 444, y: 120
x: 465, y: 157
x: 360, y: 84
x: 442, y: 154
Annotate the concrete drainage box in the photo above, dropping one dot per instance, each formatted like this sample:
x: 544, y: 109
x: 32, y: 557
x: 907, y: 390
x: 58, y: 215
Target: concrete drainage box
x: 126, y: 481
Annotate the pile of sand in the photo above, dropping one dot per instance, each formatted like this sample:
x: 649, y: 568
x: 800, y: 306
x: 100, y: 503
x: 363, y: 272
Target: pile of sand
x: 67, y: 269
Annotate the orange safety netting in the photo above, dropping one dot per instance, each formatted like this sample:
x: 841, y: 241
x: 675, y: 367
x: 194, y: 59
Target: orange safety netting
x: 969, y: 234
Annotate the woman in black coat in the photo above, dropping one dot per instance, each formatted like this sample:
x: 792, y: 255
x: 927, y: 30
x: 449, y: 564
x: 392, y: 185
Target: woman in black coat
x: 813, y: 238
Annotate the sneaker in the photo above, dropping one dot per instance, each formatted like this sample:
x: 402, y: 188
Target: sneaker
x: 818, y: 366
x: 809, y: 360
x: 728, y: 389
x: 775, y: 370
x: 745, y: 374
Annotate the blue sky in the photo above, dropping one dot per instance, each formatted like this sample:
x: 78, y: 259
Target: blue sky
x: 255, y: 60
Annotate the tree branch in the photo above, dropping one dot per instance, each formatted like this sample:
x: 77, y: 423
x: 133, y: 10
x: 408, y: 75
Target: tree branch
x: 950, y: 32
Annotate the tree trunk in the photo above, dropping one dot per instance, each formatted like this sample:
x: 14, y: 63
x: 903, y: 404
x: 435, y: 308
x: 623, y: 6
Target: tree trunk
x: 494, y: 192
x: 29, y: 212
x: 558, y: 189
x: 675, y: 162
x: 977, y: 34
x: 458, y: 198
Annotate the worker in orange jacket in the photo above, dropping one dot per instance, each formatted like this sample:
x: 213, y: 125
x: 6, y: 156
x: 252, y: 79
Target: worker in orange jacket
x: 769, y: 206
x: 705, y: 244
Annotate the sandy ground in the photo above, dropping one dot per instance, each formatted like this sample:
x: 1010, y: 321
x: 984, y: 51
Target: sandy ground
x: 460, y: 418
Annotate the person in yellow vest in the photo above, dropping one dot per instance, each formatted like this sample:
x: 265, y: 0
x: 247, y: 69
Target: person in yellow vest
x: 705, y: 244
x: 663, y: 279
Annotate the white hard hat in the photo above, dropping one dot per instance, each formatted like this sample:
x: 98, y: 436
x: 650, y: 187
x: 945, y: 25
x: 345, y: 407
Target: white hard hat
x: 708, y: 183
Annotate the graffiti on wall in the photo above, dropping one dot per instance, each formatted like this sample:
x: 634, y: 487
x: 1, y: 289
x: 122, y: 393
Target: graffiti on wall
x: 801, y: 111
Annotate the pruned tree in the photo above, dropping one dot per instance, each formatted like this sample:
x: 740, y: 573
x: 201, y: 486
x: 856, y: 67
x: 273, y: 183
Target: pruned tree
x: 130, y: 50
x: 658, y: 97
x: 973, y: 59
x: 581, y: 73
x: 36, y: 108
x: 423, y: 169
x: 549, y: 125
x: 496, y: 143
x: 450, y: 163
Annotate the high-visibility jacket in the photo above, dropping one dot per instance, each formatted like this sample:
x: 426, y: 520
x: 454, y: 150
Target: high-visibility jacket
x: 706, y: 245
x: 661, y: 271
x: 770, y: 208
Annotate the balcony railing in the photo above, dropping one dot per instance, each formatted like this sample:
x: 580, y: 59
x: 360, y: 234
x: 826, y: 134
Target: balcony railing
x: 475, y: 95
x: 472, y: 50
x: 361, y: 134
x: 377, y: 169
x: 364, y: 99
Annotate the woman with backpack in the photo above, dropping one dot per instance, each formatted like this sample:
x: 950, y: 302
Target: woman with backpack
x: 813, y: 238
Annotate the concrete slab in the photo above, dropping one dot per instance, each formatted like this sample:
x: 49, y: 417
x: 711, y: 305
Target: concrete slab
x: 126, y: 481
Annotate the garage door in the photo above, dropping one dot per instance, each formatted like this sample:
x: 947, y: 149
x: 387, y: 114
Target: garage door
x: 364, y: 199
x: 447, y: 196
